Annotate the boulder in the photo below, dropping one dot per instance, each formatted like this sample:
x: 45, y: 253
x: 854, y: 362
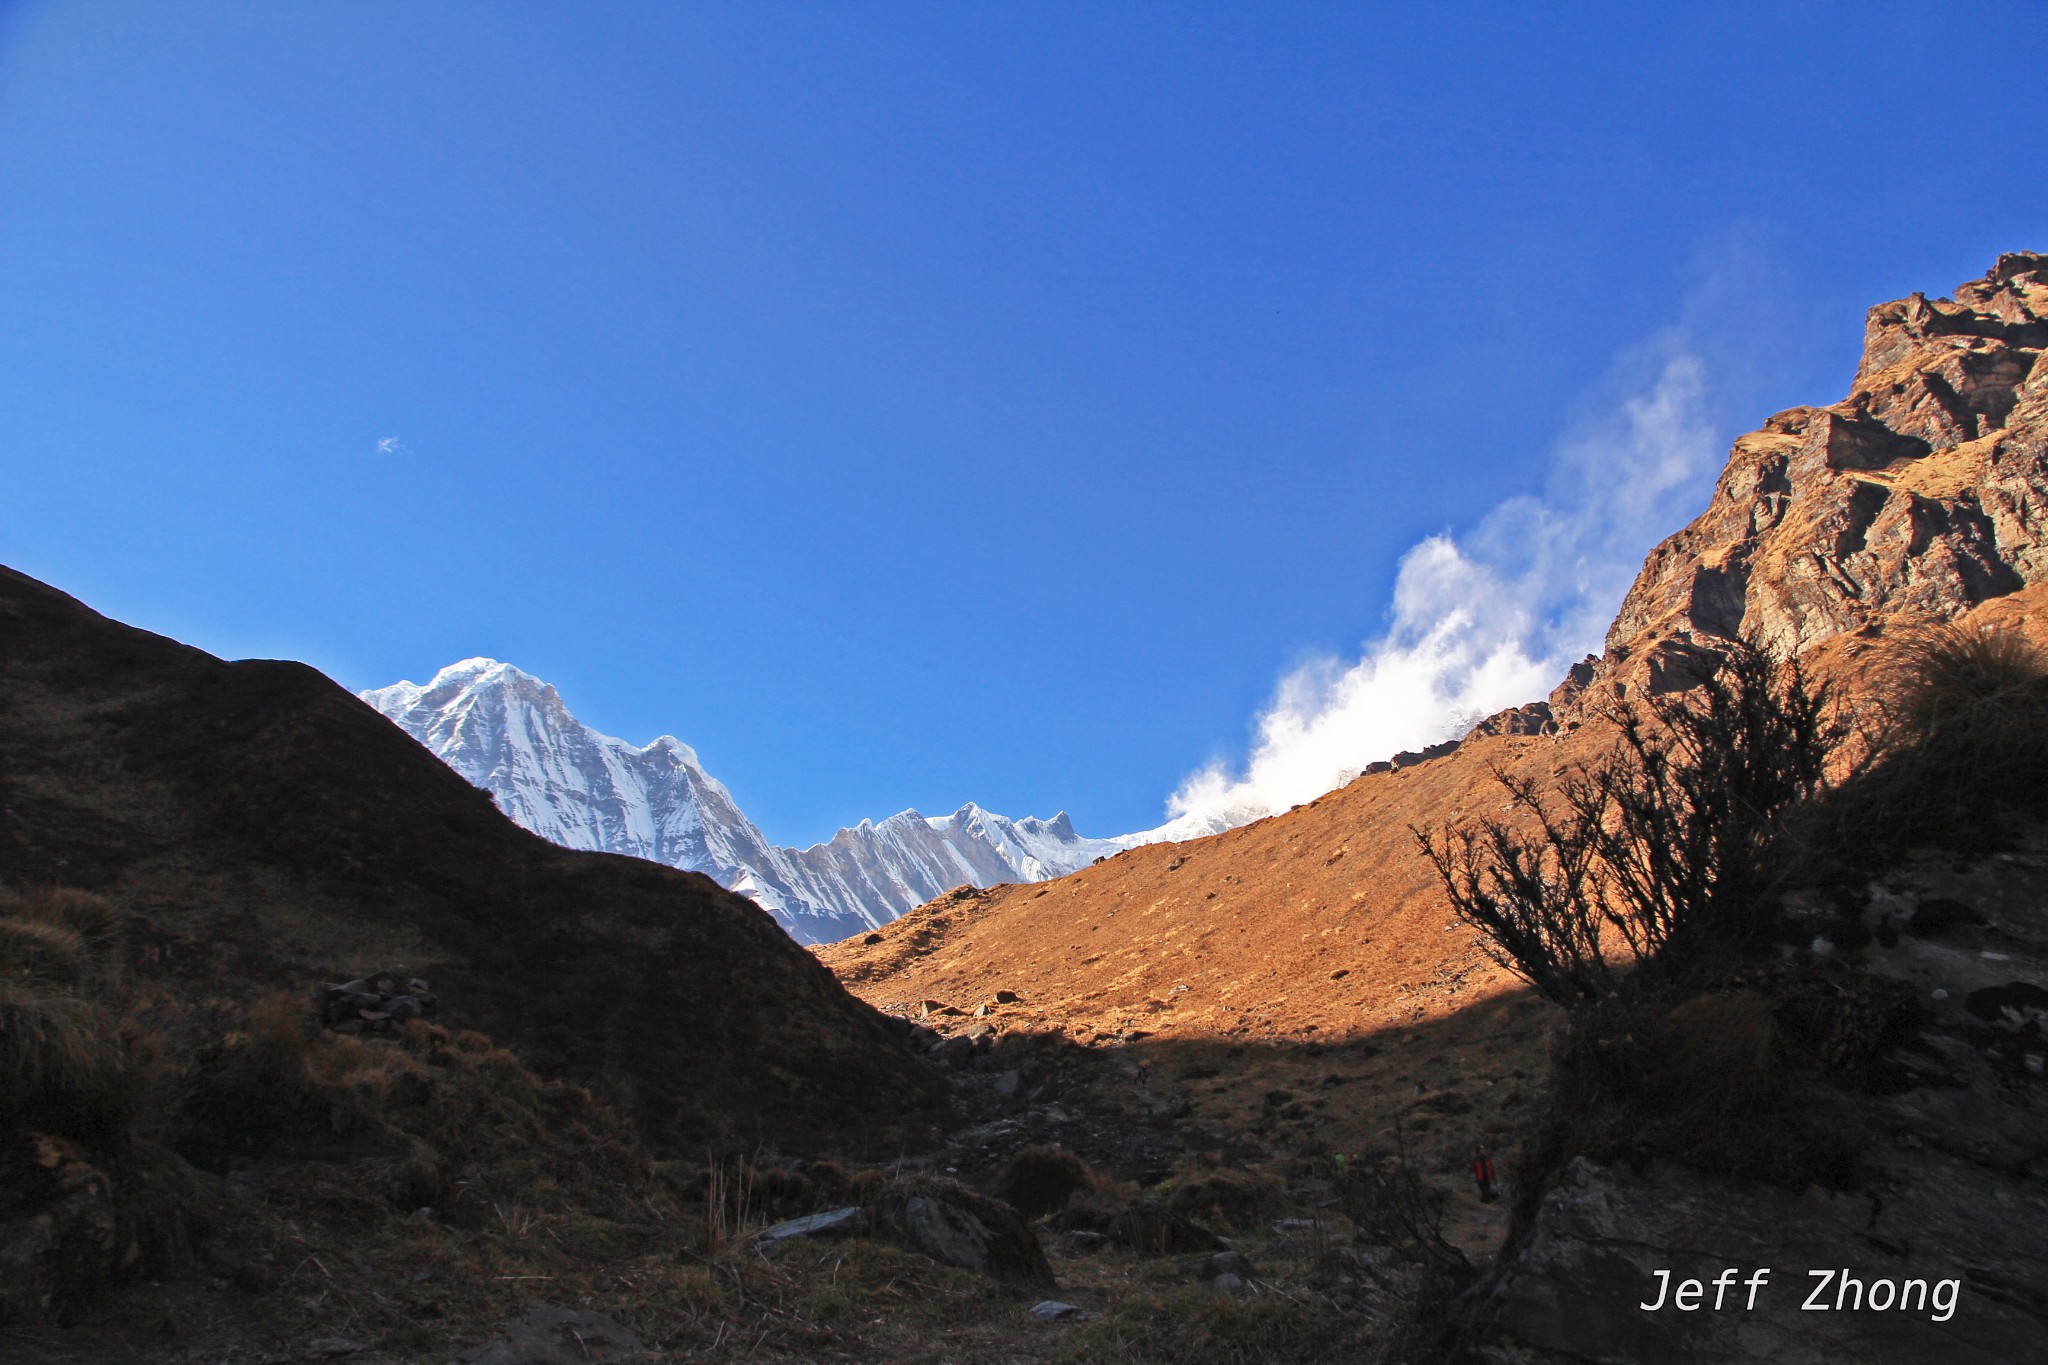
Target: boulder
x: 961, y: 1227
x: 1052, y: 1310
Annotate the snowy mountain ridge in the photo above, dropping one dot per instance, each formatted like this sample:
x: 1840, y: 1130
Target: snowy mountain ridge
x: 510, y: 733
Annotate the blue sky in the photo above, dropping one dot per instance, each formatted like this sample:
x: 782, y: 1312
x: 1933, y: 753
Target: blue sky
x: 914, y: 404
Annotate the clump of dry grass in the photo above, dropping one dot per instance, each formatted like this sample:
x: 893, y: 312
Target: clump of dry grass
x: 1961, y: 749
x: 728, y: 1207
x: 63, y: 1067
x: 1977, y: 688
x: 45, y: 952
x: 1228, y: 1196
x: 1040, y: 1180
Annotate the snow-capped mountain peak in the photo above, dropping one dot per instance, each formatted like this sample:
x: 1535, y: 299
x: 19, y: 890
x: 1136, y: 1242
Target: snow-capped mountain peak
x: 510, y: 733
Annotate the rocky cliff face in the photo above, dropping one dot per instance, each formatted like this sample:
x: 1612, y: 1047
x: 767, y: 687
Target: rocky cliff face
x: 1954, y: 1196
x: 1924, y: 491
x: 1923, y: 494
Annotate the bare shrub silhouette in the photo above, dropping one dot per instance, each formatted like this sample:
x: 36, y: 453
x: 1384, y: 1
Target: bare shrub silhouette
x: 1663, y: 842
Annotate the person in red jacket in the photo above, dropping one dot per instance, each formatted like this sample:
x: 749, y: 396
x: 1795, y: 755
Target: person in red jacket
x: 1482, y: 1171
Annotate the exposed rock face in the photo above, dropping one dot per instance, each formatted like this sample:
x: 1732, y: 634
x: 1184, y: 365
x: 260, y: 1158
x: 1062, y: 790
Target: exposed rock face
x: 958, y: 1226
x: 1924, y: 491
x: 1955, y: 1125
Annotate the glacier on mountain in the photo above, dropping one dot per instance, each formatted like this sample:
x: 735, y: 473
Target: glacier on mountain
x: 509, y: 733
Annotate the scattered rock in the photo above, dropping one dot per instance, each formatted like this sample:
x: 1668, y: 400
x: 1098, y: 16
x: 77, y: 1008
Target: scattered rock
x: 1052, y: 1310
x: 1228, y: 1263
x: 832, y: 1223
x: 374, y: 1003
x: 1008, y: 1082
x: 1006, y: 997
x: 1228, y: 1284
x: 1408, y: 758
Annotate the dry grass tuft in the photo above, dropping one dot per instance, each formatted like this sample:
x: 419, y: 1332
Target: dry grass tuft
x: 1233, y: 1198
x: 62, y: 1063
x: 728, y: 1207
x: 48, y: 953
x: 1040, y: 1180
x: 1962, y: 752
x: 1952, y: 682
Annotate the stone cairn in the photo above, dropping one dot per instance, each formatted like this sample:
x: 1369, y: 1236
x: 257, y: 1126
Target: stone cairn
x: 378, y: 1003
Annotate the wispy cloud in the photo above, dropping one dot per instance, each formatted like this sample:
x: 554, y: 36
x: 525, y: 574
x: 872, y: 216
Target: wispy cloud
x: 1491, y: 618
x: 389, y: 445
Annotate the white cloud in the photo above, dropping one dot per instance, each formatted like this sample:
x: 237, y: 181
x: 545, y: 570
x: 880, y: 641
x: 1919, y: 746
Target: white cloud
x: 1490, y: 619
x: 389, y: 445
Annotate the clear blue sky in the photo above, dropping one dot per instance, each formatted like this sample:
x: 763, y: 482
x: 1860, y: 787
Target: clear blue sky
x: 910, y: 404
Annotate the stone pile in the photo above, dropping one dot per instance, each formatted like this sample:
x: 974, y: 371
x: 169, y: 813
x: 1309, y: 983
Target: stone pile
x: 378, y: 1003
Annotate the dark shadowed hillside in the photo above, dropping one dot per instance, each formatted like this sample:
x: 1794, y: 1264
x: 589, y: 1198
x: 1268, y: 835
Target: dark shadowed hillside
x: 273, y: 832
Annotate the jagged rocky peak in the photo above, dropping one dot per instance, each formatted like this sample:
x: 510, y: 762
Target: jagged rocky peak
x: 1925, y: 491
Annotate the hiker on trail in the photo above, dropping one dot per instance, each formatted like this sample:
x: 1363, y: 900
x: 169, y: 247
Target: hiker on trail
x: 1482, y: 1171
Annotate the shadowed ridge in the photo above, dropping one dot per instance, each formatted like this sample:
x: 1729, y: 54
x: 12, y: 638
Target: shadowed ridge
x: 277, y: 831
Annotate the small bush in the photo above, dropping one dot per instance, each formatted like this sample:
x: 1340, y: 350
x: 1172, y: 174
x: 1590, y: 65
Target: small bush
x: 1392, y: 1206
x: 1664, y: 841
x: 1040, y: 1180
